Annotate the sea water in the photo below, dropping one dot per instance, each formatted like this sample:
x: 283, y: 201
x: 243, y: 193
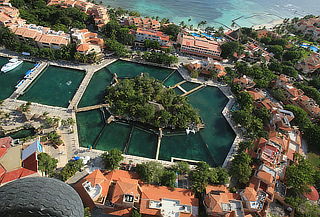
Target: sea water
x: 215, y: 12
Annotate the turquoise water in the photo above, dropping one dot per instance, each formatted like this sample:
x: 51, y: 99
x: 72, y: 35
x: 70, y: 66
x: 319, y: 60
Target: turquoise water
x: 211, y: 144
x: 178, y: 91
x: 173, y: 79
x: 55, y: 86
x: 126, y: 69
x: 9, y: 80
x: 215, y: 12
x: 189, y: 86
x: 217, y: 133
x: 184, y: 146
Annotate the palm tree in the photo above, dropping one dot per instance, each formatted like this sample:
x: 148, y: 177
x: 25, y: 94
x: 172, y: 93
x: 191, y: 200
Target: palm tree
x: 202, y: 23
x: 181, y: 23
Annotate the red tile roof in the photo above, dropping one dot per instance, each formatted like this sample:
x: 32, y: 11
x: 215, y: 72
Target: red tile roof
x: 152, y: 192
x: 15, y: 174
x: 313, y: 194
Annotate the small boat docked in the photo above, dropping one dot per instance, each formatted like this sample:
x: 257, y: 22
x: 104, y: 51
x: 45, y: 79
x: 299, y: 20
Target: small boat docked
x: 12, y: 64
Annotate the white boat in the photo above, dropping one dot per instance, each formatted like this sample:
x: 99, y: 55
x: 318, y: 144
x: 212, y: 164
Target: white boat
x: 12, y: 64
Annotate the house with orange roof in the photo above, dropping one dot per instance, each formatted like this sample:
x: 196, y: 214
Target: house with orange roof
x: 17, y: 162
x: 309, y: 105
x: 118, y: 192
x: 262, y: 33
x: 309, y: 64
x: 205, y: 67
x: 54, y: 40
x: 143, y: 23
x: 218, y: 201
x: 199, y: 46
x: 310, y: 26
x: 152, y: 35
x: 280, y: 119
x: 256, y: 94
x: 99, y: 13
x: 163, y: 201
x: 87, y: 42
x: 245, y: 82
x: 254, y: 201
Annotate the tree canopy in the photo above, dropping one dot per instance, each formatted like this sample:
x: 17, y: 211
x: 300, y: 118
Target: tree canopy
x: 203, y: 175
x: 46, y: 163
x: 240, y: 168
x: 58, y: 18
x: 146, y: 100
x: 112, y: 158
x: 300, y: 176
x: 155, y: 173
x: 229, y: 48
x: 70, y: 169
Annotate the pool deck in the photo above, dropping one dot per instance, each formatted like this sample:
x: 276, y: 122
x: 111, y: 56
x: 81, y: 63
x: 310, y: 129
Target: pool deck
x: 226, y: 90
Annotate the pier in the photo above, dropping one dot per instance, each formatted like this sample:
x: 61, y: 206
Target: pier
x: 159, y: 143
x: 178, y: 84
x: 26, y: 82
x: 93, y: 107
x: 85, y: 82
x: 193, y: 90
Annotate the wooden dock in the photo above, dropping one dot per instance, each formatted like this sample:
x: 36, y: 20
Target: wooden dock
x: 93, y: 107
x: 22, y: 88
x: 194, y: 89
x: 178, y: 84
x: 159, y: 143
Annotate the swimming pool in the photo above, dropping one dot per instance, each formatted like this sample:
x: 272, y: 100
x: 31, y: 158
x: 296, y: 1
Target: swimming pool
x: 313, y: 48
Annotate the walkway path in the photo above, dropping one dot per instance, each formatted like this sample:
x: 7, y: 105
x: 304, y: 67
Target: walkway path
x: 180, y: 88
x: 178, y: 84
x: 194, y: 89
x: 88, y: 108
x: 81, y: 89
x: 20, y: 90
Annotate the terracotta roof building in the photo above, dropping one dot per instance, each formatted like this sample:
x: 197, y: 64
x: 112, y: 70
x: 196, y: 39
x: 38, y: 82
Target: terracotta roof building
x: 205, y: 67
x: 199, y: 46
x: 218, y: 201
x: 152, y: 35
x: 245, y: 82
x: 119, y: 191
x: 16, y: 162
x: 310, y: 63
x: 143, y: 23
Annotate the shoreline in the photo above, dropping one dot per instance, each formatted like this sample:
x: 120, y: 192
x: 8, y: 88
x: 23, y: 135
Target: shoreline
x: 269, y: 26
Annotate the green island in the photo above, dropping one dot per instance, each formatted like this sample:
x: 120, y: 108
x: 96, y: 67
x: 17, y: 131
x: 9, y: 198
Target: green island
x: 146, y: 100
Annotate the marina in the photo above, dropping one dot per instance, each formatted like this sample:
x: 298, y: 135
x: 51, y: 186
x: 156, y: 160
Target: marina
x: 9, y: 80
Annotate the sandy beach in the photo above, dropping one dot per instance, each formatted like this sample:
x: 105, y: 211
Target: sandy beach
x: 269, y: 25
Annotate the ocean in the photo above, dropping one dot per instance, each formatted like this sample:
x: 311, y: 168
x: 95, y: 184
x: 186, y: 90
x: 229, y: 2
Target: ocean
x: 217, y: 12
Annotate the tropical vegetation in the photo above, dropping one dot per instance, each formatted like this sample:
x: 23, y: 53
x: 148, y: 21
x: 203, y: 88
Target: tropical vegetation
x: 146, y: 100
